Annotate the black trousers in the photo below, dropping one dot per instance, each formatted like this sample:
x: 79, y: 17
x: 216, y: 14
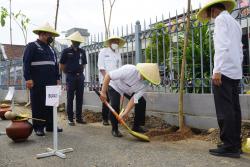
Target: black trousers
x: 39, y: 110
x: 105, y: 110
x: 75, y: 87
x: 226, y: 98
x: 140, y: 108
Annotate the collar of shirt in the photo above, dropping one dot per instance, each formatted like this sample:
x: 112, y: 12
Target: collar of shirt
x: 224, y: 13
x: 41, y: 42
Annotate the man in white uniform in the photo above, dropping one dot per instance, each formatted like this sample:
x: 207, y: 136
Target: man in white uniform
x: 227, y: 73
x: 109, y: 59
x: 131, y: 81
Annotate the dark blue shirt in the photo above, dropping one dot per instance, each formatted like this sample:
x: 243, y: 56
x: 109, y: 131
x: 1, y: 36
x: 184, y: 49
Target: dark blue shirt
x: 73, y: 60
x: 40, y: 64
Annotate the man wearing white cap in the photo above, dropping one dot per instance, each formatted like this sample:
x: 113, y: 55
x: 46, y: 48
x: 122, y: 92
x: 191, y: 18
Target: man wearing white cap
x: 227, y: 73
x: 72, y: 63
x: 41, y: 69
x: 132, y: 81
x: 109, y: 59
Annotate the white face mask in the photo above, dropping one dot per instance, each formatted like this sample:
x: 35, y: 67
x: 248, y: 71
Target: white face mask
x: 114, y: 46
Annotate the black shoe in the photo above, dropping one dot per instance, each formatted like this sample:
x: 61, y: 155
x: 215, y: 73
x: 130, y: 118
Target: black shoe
x: 80, y: 121
x: 105, y: 122
x: 71, y: 123
x: 223, y: 152
x: 116, y: 133
x: 221, y: 145
x: 51, y: 129
x: 139, y: 129
x: 39, y: 132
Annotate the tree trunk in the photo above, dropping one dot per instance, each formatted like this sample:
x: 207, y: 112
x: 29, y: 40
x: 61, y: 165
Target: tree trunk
x: 57, y: 8
x: 181, y: 91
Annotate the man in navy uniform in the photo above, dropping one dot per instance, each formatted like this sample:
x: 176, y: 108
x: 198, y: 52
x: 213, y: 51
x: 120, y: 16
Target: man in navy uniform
x: 40, y: 70
x: 72, y: 63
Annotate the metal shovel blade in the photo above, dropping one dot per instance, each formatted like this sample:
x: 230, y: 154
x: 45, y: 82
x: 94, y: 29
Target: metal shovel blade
x: 133, y: 133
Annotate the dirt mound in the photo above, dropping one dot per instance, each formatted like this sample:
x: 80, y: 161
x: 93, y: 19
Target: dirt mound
x: 92, y: 117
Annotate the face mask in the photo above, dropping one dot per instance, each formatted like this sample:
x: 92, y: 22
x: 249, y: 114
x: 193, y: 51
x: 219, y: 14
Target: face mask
x: 114, y: 46
x: 76, y: 44
x: 50, y: 40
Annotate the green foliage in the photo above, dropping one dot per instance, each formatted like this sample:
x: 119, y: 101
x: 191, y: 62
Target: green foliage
x: 194, y: 51
x: 3, y: 15
x: 21, y: 20
x: 159, y: 34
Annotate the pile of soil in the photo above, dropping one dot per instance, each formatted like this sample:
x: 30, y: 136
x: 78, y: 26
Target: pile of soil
x: 92, y: 117
x: 212, y: 135
x: 160, y: 130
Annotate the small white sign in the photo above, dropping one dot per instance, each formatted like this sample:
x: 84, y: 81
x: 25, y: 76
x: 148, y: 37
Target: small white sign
x: 10, y: 94
x: 52, y: 95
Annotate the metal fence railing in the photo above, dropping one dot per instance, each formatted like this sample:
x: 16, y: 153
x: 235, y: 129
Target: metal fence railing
x: 159, y: 41
x: 162, y: 42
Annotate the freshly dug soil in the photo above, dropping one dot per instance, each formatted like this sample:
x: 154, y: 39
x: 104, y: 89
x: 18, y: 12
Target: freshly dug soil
x: 92, y: 117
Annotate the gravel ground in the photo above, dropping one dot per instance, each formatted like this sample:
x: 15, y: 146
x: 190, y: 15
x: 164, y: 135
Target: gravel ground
x: 95, y: 147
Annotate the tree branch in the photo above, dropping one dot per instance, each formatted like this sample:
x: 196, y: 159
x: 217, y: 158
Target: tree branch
x: 104, y: 18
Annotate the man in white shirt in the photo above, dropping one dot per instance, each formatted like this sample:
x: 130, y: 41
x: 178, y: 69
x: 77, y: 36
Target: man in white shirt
x: 227, y: 73
x: 131, y: 81
x: 109, y: 59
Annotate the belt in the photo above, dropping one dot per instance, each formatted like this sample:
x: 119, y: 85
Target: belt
x: 74, y: 73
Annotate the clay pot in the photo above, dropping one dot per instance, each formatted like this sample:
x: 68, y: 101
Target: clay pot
x: 3, y: 111
x: 19, y: 130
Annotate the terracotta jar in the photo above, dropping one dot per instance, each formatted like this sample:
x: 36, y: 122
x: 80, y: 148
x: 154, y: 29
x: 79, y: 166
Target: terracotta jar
x: 3, y: 111
x: 19, y: 130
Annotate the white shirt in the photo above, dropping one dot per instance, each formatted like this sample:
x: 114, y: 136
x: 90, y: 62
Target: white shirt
x: 228, y: 47
x: 127, y: 79
x: 108, y: 60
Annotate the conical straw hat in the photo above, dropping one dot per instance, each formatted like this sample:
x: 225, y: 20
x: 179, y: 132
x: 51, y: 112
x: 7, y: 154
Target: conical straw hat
x: 76, y: 36
x: 46, y: 28
x: 150, y: 71
x: 202, y: 14
x: 121, y: 41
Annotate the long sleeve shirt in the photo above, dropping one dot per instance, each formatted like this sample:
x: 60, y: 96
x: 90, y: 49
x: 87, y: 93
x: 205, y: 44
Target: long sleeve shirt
x: 108, y: 60
x: 228, y: 46
x: 127, y: 79
x: 40, y: 64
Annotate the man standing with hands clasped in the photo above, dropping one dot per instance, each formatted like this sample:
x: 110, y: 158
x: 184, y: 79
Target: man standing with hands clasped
x: 109, y: 59
x: 72, y: 63
x: 41, y: 70
x: 227, y: 73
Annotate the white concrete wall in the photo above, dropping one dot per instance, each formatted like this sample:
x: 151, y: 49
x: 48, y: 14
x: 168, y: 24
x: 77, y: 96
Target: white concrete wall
x: 198, y: 108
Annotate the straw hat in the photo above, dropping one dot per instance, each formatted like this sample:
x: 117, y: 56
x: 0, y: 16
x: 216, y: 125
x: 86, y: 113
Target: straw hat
x: 121, y: 41
x: 202, y: 14
x: 150, y: 71
x: 46, y: 28
x: 246, y: 146
x: 76, y: 36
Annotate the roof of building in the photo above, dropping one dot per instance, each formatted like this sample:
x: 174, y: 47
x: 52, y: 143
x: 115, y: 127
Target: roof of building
x: 11, y: 52
x: 83, y: 32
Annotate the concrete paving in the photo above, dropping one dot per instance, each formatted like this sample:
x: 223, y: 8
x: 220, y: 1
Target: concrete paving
x: 95, y: 147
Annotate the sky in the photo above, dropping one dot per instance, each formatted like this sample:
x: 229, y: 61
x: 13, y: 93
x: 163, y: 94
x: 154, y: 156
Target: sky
x: 88, y: 14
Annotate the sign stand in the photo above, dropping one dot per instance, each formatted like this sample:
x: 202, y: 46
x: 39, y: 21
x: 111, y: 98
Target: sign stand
x: 54, y: 151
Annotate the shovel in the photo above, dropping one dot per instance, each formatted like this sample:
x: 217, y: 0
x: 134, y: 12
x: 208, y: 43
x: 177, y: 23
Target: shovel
x: 133, y: 133
x: 11, y: 116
